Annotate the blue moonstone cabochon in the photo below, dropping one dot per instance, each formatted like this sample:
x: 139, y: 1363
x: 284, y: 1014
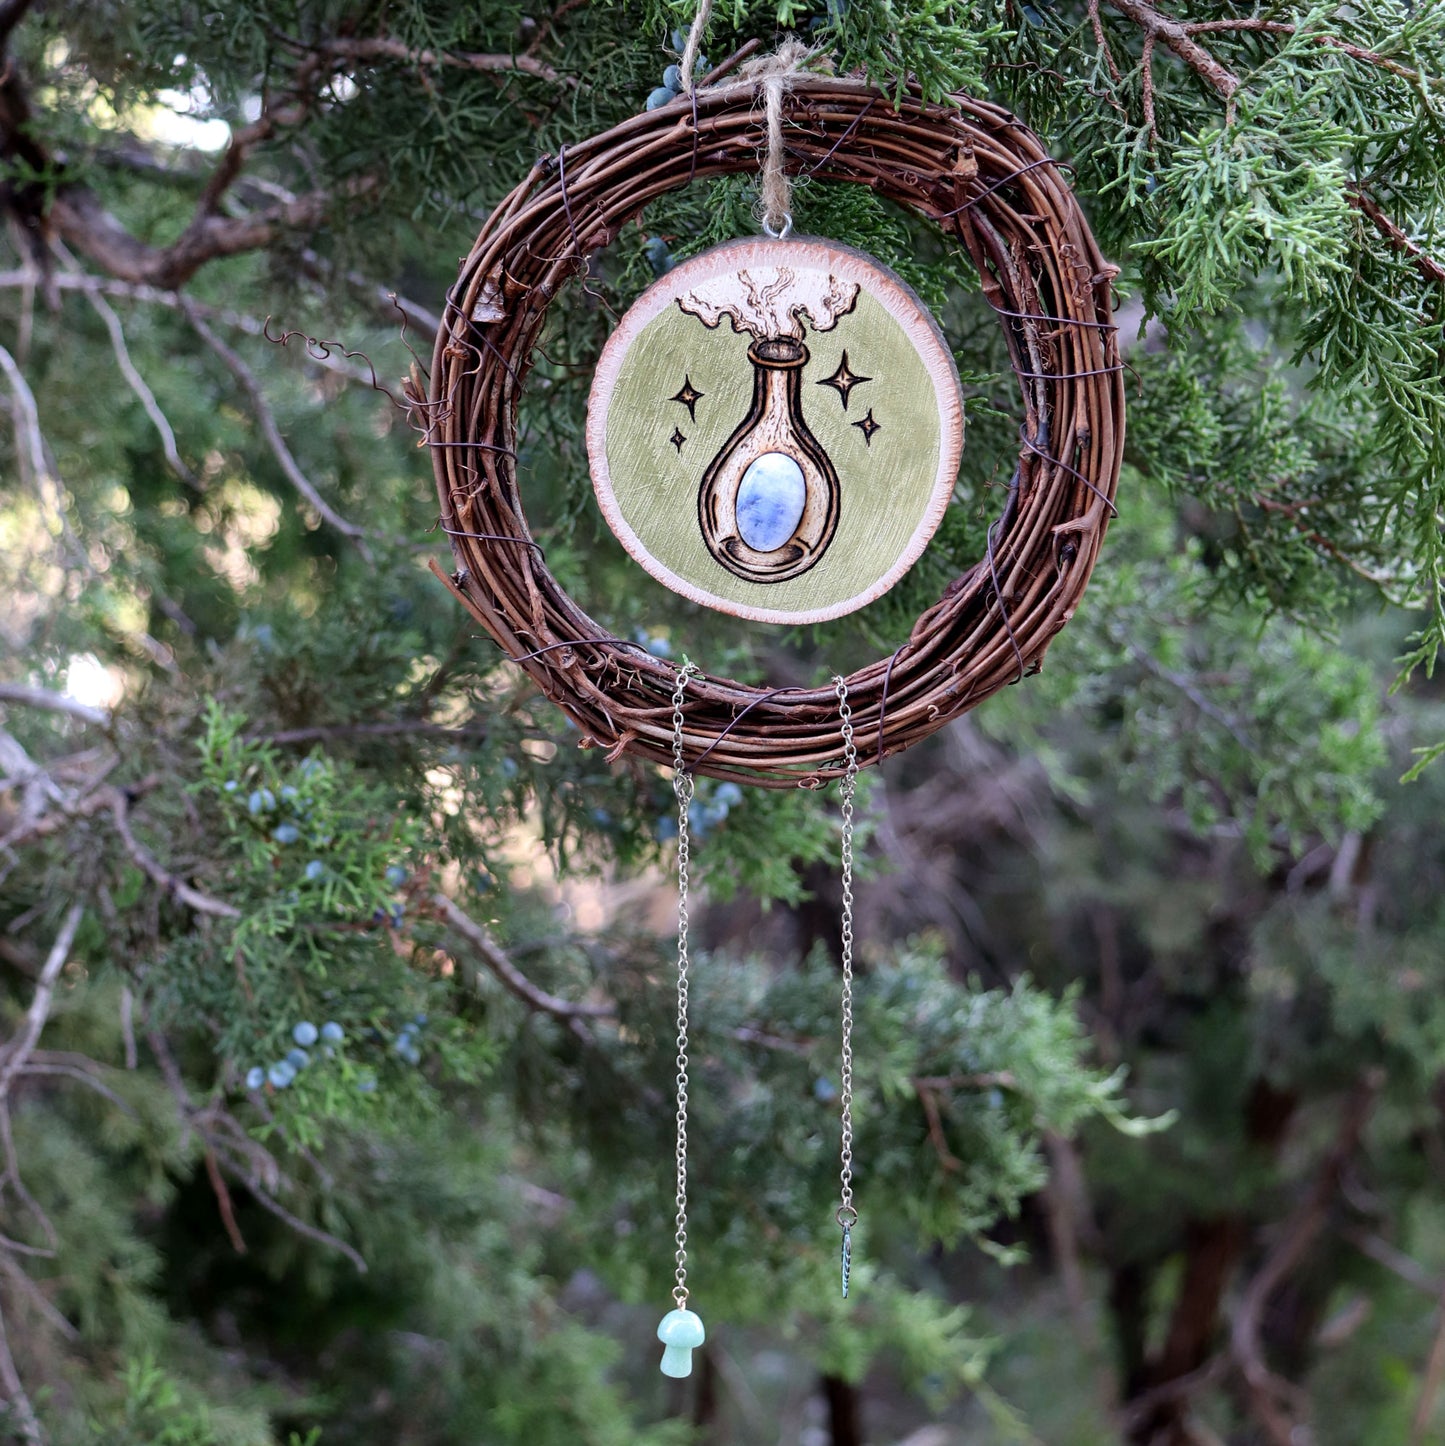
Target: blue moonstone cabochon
x: 771, y: 498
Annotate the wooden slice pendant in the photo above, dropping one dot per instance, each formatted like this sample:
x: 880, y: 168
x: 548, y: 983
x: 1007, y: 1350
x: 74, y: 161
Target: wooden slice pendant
x: 791, y: 465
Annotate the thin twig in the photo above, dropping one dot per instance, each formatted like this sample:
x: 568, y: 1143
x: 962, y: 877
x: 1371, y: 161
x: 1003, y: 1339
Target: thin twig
x: 1179, y: 37
x: 87, y: 282
x: 28, y: 418
x: 1267, y: 1392
x: 33, y: 1293
x: 1175, y: 35
x: 266, y: 419
x: 1355, y: 52
x: 1102, y: 40
x: 30, y: 447
x: 17, y: 1402
x: 51, y: 702
x: 70, y: 1071
x: 223, y: 1201
x: 1425, y: 264
x: 154, y: 870
x: 300, y: 1226
x: 382, y: 47
x: 139, y: 386
x: 511, y: 978
x: 1396, y: 1261
x: 18, y: 1050
x: 929, y: 1101
x: 1146, y: 78
x: 13, y: 1058
x: 1204, y: 704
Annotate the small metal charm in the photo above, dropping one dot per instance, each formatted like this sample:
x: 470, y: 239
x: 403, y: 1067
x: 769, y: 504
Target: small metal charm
x: 847, y: 1257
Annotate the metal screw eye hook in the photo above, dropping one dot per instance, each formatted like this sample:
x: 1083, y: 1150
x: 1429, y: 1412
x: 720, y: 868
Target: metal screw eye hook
x: 779, y: 233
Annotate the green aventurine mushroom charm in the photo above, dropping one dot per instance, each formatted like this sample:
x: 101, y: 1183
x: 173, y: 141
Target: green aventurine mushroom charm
x: 681, y: 1333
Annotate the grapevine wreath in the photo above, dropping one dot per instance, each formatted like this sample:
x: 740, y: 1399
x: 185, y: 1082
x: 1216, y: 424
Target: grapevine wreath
x: 988, y: 182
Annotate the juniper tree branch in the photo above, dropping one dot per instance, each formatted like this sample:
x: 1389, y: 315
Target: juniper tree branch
x: 11, y: 1179
x: 1205, y: 705
x: 83, y: 221
x: 302, y: 1227
x: 12, y: 1059
x: 75, y: 213
x: 1425, y: 264
x: 266, y: 419
x: 86, y: 805
x: 19, y: 1049
x: 29, y: 440
x: 1395, y: 1260
x: 1305, y: 1224
x: 88, y: 282
x: 1430, y: 1386
x: 1179, y: 37
x: 32, y: 1292
x: 15, y: 1398
x: 223, y: 1202
x: 44, y: 699
x: 40, y: 1065
x: 139, y: 386
x: 381, y: 47
x: 508, y: 975
x: 154, y: 870
x: 1355, y: 52
x: 1174, y: 34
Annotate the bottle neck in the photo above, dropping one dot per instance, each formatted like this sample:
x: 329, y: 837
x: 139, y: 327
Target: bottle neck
x: 777, y: 374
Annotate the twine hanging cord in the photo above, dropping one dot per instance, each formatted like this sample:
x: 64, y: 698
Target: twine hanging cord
x: 774, y: 75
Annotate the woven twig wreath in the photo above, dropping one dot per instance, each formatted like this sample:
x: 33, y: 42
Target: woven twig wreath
x: 986, y: 179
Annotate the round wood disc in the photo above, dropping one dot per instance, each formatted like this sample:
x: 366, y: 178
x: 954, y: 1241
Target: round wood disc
x: 775, y: 429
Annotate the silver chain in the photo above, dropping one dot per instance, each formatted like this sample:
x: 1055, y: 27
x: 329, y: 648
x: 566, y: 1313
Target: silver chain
x: 682, y: 787
x: 847, y: 1216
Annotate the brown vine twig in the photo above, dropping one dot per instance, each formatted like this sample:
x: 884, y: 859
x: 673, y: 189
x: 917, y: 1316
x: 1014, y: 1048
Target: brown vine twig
x: 1102, y: 40
x: 1356, y: 52
x: 1174, y: 34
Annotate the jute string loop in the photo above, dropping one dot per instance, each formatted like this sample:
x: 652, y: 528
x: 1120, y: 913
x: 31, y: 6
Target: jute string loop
x: 694, y: 44
x: 774, y: 75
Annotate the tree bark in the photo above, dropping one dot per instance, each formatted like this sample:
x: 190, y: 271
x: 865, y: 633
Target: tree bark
x: 845, y: 1411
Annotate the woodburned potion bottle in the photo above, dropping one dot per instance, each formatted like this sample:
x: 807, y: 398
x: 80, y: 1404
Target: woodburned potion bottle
x: 768, y: 502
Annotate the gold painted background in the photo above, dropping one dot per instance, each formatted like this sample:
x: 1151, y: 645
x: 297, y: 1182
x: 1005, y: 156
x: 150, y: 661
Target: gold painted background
x: 885, y: 488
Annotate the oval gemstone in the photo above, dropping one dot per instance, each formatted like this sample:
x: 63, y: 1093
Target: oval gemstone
x: 771, y: 498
